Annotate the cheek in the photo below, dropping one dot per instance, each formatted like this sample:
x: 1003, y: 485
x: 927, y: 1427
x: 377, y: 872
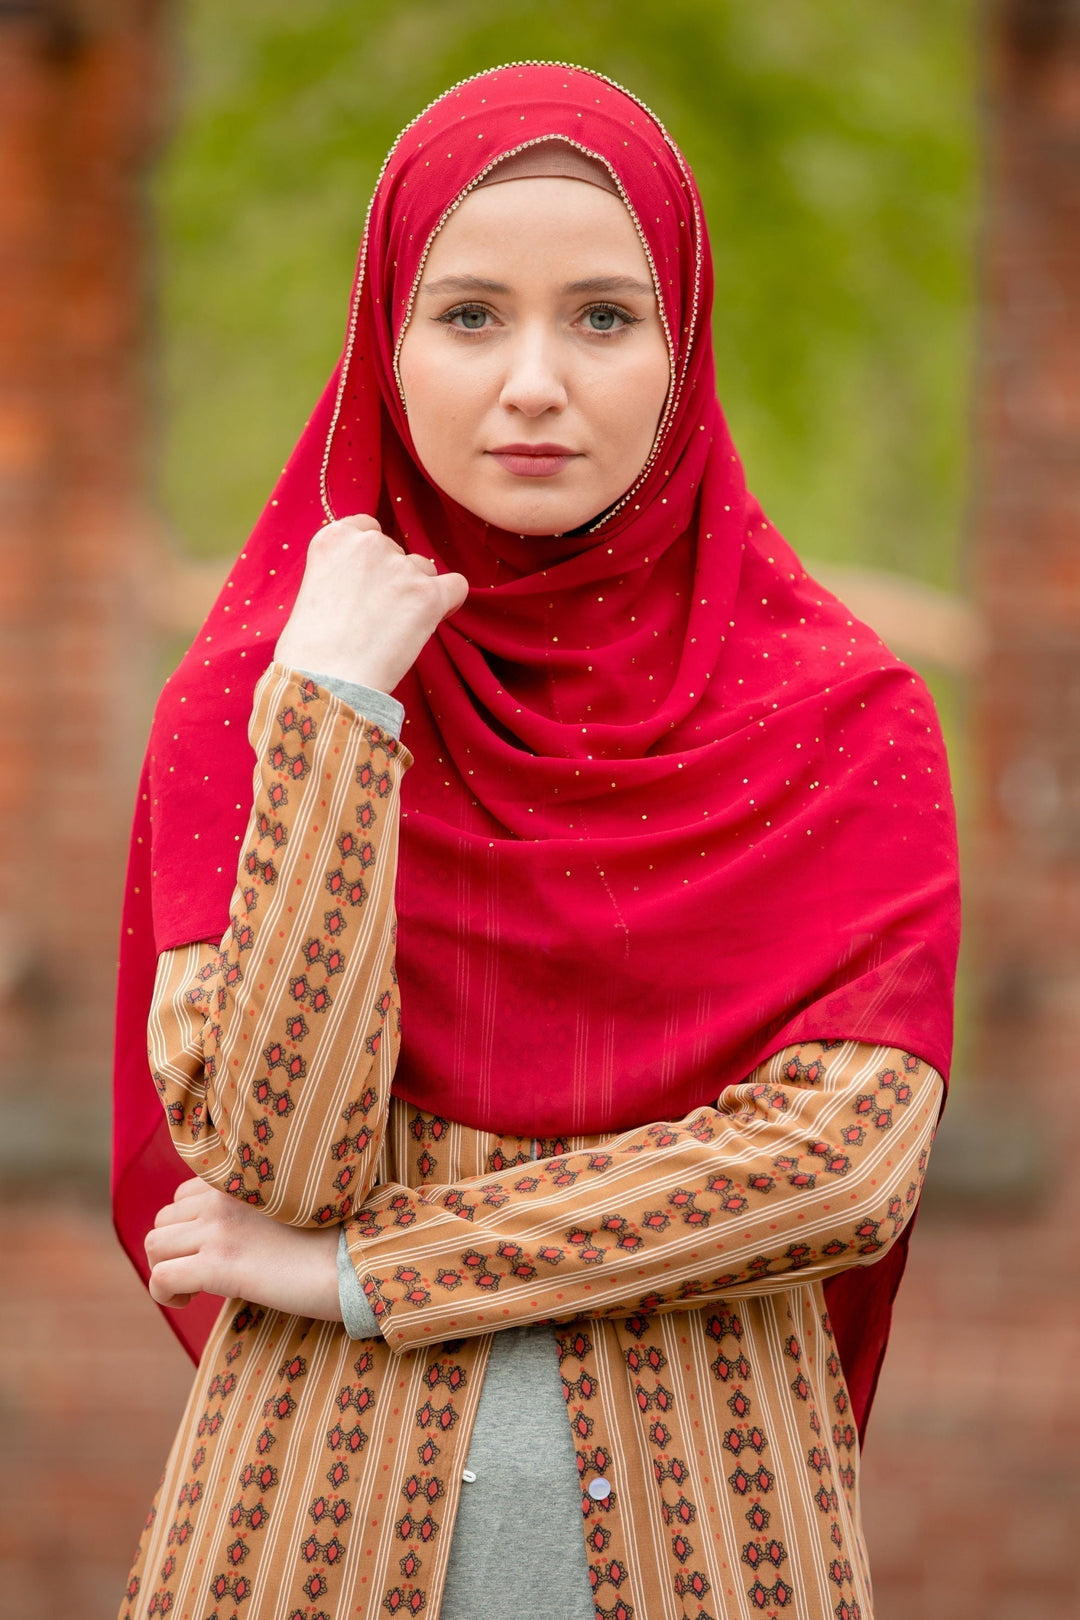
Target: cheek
x: 443, y: 400
x: 633, y: 403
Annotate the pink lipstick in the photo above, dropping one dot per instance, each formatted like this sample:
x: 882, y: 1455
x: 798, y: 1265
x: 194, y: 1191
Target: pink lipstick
x: 534, y: 460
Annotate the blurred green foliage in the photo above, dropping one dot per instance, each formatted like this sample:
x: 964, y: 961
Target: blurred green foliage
x: 835, y: 146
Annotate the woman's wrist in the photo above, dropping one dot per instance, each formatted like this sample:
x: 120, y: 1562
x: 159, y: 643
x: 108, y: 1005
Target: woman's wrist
x: 374, y: 703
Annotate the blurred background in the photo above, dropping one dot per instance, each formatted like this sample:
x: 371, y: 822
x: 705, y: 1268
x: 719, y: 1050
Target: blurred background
x: 894, y: 200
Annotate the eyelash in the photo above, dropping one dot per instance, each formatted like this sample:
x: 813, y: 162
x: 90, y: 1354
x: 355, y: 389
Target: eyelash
x: 627, y: 320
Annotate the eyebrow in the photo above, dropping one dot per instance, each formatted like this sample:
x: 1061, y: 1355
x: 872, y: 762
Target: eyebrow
x: 591, y: 284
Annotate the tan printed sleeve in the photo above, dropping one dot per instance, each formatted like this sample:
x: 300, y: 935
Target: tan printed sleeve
x: 812, y: 1165
x: 274, y: 1050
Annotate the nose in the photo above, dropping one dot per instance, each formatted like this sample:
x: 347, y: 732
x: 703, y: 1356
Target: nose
x: 533, y: 383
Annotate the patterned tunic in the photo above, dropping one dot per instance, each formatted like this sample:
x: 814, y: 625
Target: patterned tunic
x: 680, y: 1265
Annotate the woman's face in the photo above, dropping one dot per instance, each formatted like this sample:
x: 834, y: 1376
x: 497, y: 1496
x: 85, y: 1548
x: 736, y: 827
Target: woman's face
x: 535, y: 366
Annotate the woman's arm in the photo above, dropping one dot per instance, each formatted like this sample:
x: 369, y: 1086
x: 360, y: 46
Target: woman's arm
x: 273, y: 1051
x: 812, y: 1165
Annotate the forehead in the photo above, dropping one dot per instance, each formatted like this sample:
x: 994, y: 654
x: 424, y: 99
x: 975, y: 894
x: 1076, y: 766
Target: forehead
x: 544, y: 228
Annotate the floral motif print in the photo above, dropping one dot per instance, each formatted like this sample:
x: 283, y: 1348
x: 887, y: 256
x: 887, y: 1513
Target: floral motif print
x: 278, y: 1091
x: 769, y: 1183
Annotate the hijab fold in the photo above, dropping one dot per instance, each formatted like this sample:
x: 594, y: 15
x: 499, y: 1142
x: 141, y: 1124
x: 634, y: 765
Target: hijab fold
x: 672, y: 807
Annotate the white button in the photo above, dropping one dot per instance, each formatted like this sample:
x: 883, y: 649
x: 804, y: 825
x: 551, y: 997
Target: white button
x: 468, y: 1476
x: 599, y: 1489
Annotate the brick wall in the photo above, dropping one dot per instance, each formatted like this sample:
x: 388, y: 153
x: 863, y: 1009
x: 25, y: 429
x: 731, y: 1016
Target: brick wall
x: 1024, y: 888
x: 973, y: 1467
x: 80, y: 93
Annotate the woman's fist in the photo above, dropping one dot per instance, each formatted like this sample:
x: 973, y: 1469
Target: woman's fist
x: 207, y: 1242
x: 365, y: 607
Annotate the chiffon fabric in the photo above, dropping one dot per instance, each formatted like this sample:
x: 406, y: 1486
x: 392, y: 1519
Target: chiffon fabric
x: 672, y: 808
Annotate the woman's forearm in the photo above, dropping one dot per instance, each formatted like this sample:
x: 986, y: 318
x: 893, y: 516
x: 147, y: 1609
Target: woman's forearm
x: 273, y: 1050
x: 812, y: 1165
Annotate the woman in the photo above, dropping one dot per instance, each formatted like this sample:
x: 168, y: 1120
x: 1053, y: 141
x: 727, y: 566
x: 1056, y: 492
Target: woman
x: 676, y: 845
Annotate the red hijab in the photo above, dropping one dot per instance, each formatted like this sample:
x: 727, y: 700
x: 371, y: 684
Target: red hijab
x: 672, y: 809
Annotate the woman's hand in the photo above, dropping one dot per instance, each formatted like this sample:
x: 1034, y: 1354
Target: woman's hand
x: 207, y: 1242
x: 365, y: 607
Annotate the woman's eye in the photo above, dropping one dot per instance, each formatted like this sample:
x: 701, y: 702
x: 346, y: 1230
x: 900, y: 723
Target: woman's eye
x: 606, y: 318
x: 470, y: 318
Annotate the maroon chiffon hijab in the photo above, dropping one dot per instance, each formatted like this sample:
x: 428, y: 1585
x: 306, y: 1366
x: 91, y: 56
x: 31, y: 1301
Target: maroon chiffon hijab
x: 672, y: 807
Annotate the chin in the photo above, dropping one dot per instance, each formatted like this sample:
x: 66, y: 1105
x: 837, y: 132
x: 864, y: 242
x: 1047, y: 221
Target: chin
x: 535, y: 517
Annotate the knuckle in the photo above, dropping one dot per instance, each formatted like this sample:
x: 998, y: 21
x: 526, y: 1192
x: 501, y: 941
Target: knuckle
x: 366, y: 535
x: 343, y: 529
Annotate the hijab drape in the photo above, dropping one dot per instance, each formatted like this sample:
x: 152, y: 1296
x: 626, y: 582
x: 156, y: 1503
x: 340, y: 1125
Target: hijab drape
x: 672, y: 807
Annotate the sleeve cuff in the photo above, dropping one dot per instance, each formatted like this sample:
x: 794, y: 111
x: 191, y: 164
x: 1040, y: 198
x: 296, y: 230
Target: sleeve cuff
x: 378, y: 707
x: 356, y: 1313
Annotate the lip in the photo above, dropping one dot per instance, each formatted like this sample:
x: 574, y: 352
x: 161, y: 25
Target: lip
x: 534, y: 460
